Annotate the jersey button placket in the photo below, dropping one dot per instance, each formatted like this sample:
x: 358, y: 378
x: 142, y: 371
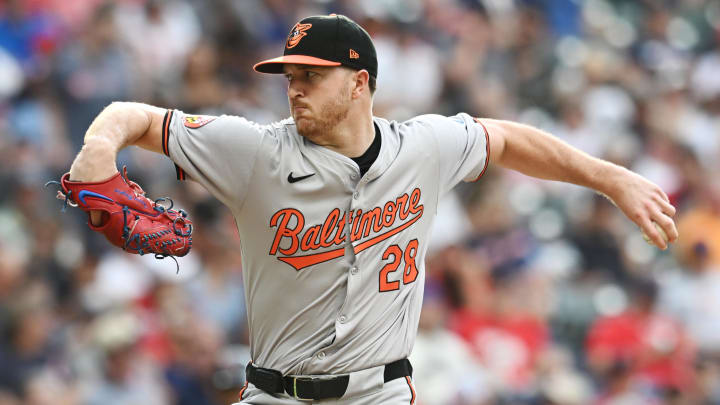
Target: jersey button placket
x: 354, y: 270
x: 321, y: 355
x: 356, y: 195
x: 342, y: 319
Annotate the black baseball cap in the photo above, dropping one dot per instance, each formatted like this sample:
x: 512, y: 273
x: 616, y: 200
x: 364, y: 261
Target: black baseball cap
x: 332, y: 40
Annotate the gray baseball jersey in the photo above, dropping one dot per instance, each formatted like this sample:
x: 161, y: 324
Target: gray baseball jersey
x: 333, y: 263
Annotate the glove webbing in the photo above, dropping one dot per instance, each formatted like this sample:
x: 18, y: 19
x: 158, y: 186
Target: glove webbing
x: 141, y: 243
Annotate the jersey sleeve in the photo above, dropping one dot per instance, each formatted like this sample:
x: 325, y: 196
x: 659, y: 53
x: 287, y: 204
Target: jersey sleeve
x: 463, y: 148
x: 218, y: 152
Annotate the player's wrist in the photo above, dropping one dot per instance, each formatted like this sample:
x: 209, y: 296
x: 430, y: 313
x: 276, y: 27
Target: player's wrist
x: 95, y: 162
x: 608, y: 179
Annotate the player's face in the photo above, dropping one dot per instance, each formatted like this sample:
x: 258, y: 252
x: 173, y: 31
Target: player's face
x: 319, y: 98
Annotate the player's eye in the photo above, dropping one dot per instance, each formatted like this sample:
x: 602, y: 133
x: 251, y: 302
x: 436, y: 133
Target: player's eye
x: 288, y: 77
x: 310, y: 74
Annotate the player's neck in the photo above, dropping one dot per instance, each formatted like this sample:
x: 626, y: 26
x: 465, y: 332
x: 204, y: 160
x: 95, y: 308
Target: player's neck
x: 354, y: 135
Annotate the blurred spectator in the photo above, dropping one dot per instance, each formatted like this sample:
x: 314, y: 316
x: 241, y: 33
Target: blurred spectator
x: 126, y: 376
x: 195, y: 361
x: 700, y: 245
x: 93, y: 72
x: 497, y: 322
x: 161, y: 35
x: 640, y: 348
x: 30, y: 34
x: 524, y: 265
x: 404, y: 60
x: 217, y: 293
x: 691, y: 293
x: 560, y: 381
x: 451, y: 375
x: 597, y: 243
x: 202, y: 86
x: 27, y: 347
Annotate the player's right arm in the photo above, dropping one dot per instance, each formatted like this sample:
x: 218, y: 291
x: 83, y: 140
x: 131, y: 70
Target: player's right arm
x: 467, y: 145
x: 218, y: 152
x: 536, y: 153
x: 119, y: 125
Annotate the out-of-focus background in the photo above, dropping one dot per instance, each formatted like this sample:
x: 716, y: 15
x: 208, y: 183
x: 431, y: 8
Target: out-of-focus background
x: 537, y: 292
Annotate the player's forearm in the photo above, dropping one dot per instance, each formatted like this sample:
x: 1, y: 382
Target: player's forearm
x: 119, y: 125
x: 536, y: 153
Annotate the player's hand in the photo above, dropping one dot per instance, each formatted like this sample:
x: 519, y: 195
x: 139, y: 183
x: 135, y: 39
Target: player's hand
x: 645, y: 204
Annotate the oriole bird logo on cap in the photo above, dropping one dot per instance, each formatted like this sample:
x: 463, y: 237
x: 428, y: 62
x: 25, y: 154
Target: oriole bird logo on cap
x: 297, y: 33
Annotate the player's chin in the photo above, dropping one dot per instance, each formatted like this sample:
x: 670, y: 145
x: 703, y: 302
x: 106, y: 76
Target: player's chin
x: 304, y: 125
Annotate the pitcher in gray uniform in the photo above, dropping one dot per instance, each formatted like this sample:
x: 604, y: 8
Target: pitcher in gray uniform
x: 334, y: 207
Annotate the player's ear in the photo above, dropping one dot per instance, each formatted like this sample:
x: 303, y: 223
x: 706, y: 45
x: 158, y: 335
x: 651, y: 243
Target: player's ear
x: 360, y: 83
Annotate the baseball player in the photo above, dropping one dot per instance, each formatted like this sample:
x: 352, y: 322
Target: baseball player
x: 334, y: 207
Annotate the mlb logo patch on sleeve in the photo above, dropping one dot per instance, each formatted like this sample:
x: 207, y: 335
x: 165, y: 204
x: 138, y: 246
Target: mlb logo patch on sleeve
x: 196, y: 121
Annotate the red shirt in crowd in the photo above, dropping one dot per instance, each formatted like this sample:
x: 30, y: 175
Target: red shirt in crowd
x: 654, y: 346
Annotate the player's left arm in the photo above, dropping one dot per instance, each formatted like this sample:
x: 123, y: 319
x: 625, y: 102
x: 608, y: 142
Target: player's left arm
x: 536, y: 153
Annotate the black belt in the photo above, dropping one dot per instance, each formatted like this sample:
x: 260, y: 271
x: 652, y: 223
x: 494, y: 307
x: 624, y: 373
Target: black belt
x: 313, y: 388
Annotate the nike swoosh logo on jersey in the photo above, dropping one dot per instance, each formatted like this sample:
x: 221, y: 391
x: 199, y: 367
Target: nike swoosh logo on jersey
x: 292, y: 179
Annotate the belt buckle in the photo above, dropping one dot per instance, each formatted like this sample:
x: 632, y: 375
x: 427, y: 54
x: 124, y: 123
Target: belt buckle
x: 295, y: 394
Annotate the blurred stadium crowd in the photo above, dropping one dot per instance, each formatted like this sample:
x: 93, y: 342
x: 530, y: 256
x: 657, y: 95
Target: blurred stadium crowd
x: 537, y: 292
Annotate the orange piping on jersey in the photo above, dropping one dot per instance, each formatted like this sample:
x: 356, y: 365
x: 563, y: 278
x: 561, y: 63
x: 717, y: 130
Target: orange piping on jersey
x: 487, y: 149
x: 162, y: 131
x: 412, y: 390
x: 242, y: 390
x: 179, y: 172
x: 166, y: 131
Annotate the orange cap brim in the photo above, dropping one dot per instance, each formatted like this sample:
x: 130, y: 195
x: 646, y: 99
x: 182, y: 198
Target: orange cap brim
x: 275, y: 65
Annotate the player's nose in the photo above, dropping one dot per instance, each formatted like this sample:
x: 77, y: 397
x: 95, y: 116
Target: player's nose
x: 295, y: 89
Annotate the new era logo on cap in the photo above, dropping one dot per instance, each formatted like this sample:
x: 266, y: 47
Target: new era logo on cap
x: 332, y: 40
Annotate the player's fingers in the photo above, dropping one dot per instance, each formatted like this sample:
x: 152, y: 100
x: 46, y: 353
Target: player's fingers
x: 668, y: 226
x: 649, y: 229
x: 667, y: 208
x: 96, y: 217
x: 663, y: 196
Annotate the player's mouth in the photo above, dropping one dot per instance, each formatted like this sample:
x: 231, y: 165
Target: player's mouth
x: 300, y: 108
